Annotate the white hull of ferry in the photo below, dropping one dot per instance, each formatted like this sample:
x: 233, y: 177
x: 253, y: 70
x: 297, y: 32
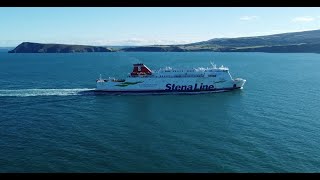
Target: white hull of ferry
x: 172, y: 81
x: 169, y: 85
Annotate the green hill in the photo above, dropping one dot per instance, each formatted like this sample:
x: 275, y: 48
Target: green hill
x: 306, y: 41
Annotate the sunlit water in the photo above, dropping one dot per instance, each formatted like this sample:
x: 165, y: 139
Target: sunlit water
x: 48, y: 125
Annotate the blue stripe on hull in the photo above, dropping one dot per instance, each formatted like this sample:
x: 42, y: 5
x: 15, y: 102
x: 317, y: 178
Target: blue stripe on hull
x: 166, y: 91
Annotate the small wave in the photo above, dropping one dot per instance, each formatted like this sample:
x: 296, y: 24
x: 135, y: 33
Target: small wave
x: 43, y: 92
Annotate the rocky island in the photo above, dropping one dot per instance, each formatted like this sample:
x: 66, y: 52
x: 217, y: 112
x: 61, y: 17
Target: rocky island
x: 29, y: 47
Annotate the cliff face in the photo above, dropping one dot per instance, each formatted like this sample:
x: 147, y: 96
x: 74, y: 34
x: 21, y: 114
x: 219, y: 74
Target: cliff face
x: 28, y: 47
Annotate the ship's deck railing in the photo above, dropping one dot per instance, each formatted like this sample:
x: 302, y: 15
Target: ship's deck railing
x: 173, y: 76
x: 199, y: 69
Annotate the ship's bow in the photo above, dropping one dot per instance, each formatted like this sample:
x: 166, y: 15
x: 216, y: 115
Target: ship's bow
x: 239, y: 82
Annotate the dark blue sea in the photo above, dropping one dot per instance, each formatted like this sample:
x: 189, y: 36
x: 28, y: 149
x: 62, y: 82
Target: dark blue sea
x: 47, y: 123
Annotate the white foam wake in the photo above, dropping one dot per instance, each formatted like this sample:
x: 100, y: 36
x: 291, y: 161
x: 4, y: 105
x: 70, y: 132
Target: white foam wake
x: 42, y: 92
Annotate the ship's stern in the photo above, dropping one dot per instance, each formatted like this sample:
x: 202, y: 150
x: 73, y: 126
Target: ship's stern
x: 101, y: 84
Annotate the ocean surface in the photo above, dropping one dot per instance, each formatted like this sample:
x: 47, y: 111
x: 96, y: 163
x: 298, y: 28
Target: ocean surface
x: 48, y: 125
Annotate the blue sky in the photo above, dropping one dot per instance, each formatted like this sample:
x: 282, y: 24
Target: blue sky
x: 147, y: 25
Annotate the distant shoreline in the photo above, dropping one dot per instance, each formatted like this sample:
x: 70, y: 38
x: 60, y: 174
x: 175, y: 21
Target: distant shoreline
x: 296, y: 42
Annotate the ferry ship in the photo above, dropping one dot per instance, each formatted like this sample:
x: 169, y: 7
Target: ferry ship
x: 170, y: 80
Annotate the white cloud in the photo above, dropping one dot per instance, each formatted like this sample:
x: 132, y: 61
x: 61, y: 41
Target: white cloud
x: 143, y: 42
x: 303, y: 19
x: 133, y: 42
x: 248, y: 18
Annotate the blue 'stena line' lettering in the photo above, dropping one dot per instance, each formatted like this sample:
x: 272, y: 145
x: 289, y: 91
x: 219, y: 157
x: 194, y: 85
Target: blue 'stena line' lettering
x: 202, y: 87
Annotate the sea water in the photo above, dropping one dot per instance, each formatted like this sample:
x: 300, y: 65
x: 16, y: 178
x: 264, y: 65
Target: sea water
x: 48, y: 125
